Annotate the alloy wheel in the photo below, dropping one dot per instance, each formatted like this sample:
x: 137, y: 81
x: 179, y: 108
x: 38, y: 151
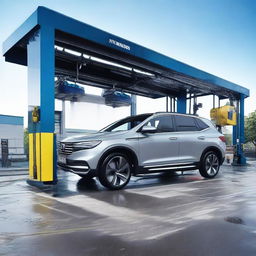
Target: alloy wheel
x: 117, y: 171
x: 212, y: 164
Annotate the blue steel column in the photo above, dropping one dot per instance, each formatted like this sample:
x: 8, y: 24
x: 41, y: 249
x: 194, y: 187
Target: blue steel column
x: 234, y: 139
x: 182, y: 103
x: 41, y: 68
x: 241, y: 157
x: 133, y: 105
x: 41, y: 65
x: 47, y: 72
x: 236, y: 128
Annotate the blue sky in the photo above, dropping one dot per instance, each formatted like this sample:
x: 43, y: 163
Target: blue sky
x: 217, y: 36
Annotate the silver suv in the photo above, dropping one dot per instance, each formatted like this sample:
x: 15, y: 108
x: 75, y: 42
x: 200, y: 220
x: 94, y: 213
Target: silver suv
x: 145, y: 144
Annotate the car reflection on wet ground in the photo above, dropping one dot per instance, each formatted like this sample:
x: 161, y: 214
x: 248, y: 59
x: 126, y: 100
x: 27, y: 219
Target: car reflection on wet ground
x: 169, y: 214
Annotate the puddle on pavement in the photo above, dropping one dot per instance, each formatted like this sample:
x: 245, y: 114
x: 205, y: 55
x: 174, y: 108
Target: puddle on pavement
x: 234, y: 220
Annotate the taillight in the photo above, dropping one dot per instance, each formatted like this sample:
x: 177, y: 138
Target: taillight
x: 222, y: 138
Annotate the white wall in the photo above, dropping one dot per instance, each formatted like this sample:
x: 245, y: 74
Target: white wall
x: 90, y: 116
x: 148, y: 105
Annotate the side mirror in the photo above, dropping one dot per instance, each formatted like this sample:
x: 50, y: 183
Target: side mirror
x: 148, y: 129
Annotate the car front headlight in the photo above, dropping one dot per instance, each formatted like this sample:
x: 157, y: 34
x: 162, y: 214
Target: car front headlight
x: 86, y: 144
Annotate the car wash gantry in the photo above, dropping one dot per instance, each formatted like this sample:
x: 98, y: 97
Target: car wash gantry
x: 59, y: 50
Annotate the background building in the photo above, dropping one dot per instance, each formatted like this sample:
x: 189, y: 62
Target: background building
x: 12, y: 129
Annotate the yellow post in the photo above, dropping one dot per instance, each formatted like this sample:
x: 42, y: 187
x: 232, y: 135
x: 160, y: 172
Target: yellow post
x: 41, y: 156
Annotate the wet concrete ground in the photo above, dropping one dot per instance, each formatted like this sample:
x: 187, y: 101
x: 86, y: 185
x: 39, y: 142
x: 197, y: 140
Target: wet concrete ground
x: 157, y: 215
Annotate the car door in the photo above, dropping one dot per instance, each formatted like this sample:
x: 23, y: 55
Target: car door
x: 160, y: 148
x: 191, y: 139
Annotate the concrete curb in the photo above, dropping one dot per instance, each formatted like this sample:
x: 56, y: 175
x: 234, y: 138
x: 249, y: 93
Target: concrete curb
x: 12, y: 169
x: 13, y: 174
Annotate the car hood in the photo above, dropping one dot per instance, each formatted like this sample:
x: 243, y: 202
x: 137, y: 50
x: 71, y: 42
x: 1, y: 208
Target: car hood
x: 94, y: 136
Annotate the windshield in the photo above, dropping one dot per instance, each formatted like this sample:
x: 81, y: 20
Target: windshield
x: 126, y: 123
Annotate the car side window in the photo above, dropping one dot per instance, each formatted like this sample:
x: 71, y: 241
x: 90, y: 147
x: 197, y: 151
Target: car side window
x: 185, y: 123
x: 162, y: 123
x: 123, y: 127
x: 201, y: 124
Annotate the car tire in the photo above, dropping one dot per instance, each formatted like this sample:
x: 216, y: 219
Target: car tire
x: 115, y: 171
x: 210, y: 165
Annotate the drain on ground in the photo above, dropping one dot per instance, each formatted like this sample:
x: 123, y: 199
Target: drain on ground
x: 235, y: 220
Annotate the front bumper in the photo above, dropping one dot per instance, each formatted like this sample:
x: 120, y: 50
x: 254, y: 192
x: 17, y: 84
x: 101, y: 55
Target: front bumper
x: 77, y: 167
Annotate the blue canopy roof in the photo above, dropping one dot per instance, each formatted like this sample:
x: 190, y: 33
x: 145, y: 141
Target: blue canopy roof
x: 170, y: 75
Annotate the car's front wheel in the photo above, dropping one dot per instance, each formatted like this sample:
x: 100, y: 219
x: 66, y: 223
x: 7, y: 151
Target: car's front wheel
x: 210, y: 165
x: 115, y: 171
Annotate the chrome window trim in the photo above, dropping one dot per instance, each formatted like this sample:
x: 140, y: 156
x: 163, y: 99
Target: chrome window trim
x: 137, y: 128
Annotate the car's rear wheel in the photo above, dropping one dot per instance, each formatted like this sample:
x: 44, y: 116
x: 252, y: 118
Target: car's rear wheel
x: 210, y: 165
x: 115, y: 171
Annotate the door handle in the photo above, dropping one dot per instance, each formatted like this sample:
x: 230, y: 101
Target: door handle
x: 201, y: 138
x: 173, y: 138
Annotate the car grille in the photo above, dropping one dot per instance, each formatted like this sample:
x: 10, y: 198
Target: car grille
x: 65, y: 148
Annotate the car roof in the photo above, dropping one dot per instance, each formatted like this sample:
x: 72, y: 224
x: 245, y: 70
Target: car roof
x: 169, y: 113
x: 175, y: 113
